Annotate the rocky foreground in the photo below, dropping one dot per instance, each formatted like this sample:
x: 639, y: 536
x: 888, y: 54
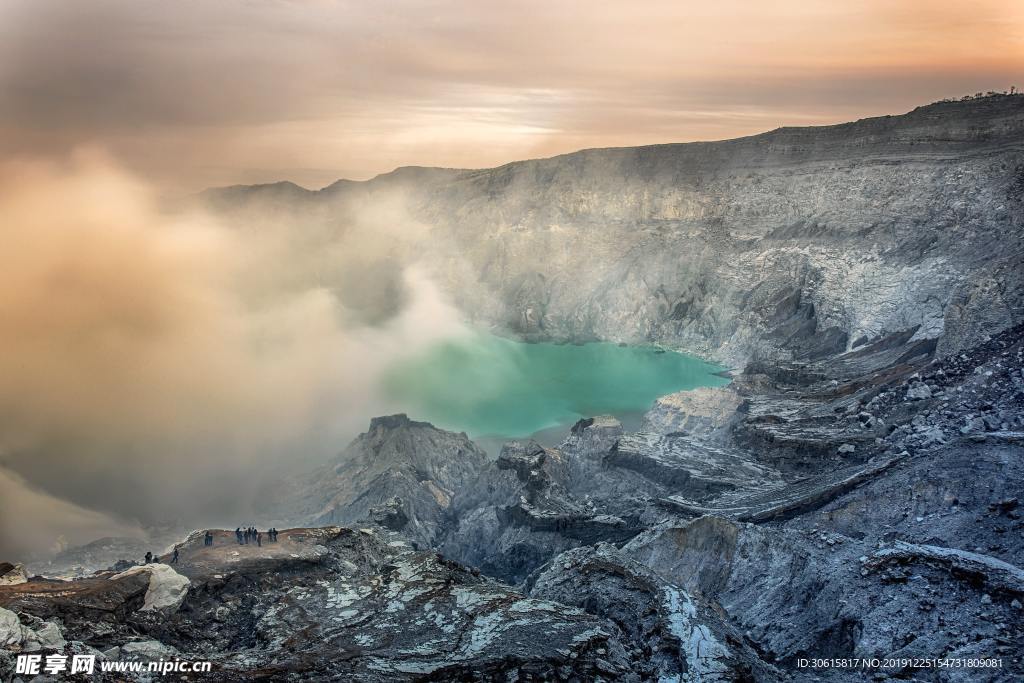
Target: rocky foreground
x: 867, y: 506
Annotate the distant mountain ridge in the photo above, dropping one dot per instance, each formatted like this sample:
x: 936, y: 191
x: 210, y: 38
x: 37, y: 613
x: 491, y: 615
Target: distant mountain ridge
x: 792, y: 243
x: 999, y: 113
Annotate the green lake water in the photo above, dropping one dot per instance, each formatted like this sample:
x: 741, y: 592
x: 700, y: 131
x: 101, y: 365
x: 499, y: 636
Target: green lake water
x: 492, y: 387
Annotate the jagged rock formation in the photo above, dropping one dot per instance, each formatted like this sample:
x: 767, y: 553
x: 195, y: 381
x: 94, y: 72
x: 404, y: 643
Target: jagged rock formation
x: 401, y: 470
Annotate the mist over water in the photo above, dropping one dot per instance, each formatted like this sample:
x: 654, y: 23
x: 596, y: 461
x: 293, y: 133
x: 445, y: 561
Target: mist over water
x: 490, y: 386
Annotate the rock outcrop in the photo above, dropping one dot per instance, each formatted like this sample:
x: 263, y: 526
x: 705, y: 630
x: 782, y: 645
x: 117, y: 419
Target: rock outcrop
x: 702, y: 412
x: 407, y: 466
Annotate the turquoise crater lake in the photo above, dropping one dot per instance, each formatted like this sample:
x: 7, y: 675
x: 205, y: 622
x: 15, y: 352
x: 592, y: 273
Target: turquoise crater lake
x: 493, y: 387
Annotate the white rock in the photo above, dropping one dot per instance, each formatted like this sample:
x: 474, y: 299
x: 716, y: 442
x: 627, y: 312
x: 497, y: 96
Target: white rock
x: 167, y: 588
x: 11, y: 631
x: 49, y: 637
x: 14, y: 576
x: 918, y: 392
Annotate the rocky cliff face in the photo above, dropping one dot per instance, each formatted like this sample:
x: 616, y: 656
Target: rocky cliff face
x: 800, y: 242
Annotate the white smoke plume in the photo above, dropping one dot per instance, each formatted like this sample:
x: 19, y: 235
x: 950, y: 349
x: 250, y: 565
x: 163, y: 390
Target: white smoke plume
x: 156, y: 364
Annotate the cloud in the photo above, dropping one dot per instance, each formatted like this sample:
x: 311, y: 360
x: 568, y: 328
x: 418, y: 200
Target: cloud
x: 157, y: 363
x: 199, y: 93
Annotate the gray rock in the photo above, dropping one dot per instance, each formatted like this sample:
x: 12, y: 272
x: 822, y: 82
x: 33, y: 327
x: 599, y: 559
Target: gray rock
x: 687, y: 639
x: 11, y: 632
x: 699, y: 411
x: 397, y: 458
x: 992, y: 572
x: 918, y: 392
x: 363, y: 607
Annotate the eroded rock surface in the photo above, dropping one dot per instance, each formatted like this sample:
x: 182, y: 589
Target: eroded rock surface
x: 332, y: 603
x: 407, y: 465
x: 702, y: 411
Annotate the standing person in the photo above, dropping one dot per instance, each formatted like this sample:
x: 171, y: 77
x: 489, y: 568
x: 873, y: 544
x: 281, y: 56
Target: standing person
x: 259, y: 539
x: 174, y: 557
x: 149, y: 557
x: 208, y: 540
x: 246, y: 534
x: 238, y: 535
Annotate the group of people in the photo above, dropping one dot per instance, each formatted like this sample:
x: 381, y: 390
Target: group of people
x: 153, y: 557
x: 252, y: 535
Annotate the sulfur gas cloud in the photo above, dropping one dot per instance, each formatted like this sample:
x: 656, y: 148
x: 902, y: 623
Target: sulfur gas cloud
x: 157, y: 363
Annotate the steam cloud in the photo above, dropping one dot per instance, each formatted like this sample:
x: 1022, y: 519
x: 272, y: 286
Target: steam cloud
x: 155, y: 364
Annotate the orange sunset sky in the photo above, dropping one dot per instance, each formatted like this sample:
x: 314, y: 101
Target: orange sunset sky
x: 198, y: 93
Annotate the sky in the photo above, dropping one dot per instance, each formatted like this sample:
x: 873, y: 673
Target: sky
x: 192, y: 94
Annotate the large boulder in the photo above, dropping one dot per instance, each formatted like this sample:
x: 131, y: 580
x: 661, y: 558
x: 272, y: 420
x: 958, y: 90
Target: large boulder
x: 12, y: 574
x: 167, y: 588
x: 11, y: 631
